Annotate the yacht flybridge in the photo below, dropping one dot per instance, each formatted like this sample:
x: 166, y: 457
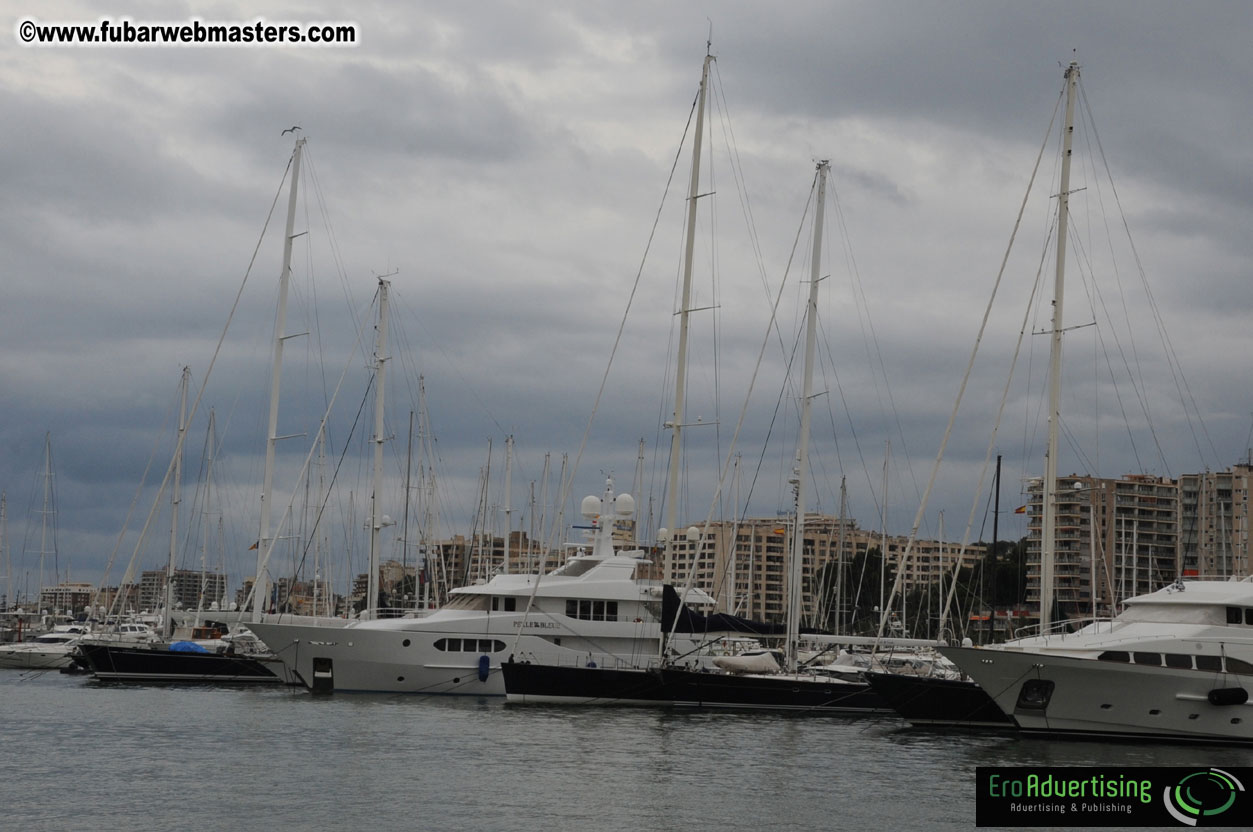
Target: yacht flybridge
x: 596, y: 608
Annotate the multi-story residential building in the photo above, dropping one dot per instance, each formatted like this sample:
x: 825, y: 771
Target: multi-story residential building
x: 191, y: 588
x: 1214, y: 522
x: 745, y: 564
x: 67, y: 597
x: 1133, y: 551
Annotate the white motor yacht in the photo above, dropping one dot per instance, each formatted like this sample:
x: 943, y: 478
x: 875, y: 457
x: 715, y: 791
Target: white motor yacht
x: 1177, y: 664
x: 595, y: 610
x: 49, y: 651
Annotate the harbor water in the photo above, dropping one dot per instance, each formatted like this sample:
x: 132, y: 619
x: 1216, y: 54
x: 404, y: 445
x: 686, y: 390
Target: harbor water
x: 79, y: 754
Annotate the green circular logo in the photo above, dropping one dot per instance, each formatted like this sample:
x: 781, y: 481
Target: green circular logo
x: 1202, y: 794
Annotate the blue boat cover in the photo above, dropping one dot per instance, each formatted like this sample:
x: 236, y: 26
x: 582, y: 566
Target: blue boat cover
x: 187, y: 647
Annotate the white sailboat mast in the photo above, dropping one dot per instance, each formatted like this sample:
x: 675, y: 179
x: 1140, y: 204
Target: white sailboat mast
x: 376, y: 517
x: 504, y: 569
x: 1049, y: 519
x: 802, y: 446
x: 176, y: 497
x: 261, y: 592
x: 680, y: 376
x: 43, y: 527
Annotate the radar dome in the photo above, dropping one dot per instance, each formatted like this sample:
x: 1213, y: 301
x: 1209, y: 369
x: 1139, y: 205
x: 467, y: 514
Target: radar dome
x: 590, y: 506
x: 624, y: 505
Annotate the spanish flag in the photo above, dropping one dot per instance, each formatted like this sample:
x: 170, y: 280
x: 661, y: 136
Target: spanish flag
x: 1020, y: 510
x: 255, y: 545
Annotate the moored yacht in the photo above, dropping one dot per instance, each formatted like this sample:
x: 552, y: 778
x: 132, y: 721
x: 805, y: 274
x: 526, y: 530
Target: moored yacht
x: 45, y: 652
x: 1177, y: 664
x: 596, y: 608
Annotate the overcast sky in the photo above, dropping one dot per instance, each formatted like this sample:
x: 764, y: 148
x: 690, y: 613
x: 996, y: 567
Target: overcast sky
x: 507, y: 161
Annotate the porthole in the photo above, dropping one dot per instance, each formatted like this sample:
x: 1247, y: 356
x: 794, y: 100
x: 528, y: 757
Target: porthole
x: 1193, y: 716
x: 406, y: 642
x: 1154, y: 712
x: 1106, y: 706
x: 400, y: 678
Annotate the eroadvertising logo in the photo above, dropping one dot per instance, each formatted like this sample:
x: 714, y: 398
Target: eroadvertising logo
x: 1113, y: 796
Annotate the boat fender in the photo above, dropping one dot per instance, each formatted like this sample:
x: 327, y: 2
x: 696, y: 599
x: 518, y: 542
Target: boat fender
x: 591, y: 663
x: 485, y: 667
x: 1228, y: 696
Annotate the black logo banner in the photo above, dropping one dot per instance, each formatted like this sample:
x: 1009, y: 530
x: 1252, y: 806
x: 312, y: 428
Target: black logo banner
x: 1114, y: 796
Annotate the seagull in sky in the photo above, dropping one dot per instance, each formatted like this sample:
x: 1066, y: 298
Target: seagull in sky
x: 290, y: 130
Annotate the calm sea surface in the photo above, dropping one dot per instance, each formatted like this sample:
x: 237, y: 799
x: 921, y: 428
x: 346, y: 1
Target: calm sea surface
x: 76, y: 754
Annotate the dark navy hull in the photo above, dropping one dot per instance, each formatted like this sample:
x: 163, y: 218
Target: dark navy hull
x: 138, y: 664
x: 558, y: 684
x: 690, y: 688
x: 924, y: 700
x: 532, y: 683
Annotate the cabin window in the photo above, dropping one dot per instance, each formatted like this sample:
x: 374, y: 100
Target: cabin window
x: 592, y: 610
x: 1234, y: 616
x: 1213, y: 664
x: 1238, y: 666
x: 504, y: 604
x: 469, y: 645
x: 1248, y: 615
x: 1115, y: 656
x: 1176, y: 660
x: 1154, y: 659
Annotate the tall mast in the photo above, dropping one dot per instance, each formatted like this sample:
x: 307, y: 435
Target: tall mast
x: 508, y: 504
x: 839, y: 555
x: 1049, y: 519
x: 176, y: 497
x: 680, y: 375
x: 43, y: 528
x: 5, y: 552
x: 801, y: 472
x: 261, y: 587
x: 376, y: 517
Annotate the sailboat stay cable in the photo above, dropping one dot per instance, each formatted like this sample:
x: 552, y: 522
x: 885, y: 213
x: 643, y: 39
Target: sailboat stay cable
x: 567, y: 482
x: 130, y: 511
x: 727, y: 465
x: 952, y: 419
x: 212, y: 362
x: 1181, y: 382
x: 264, y: 557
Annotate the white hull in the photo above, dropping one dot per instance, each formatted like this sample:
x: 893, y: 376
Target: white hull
x: 1094, y: 698
x: 31, y: 657
x: 404, y: 655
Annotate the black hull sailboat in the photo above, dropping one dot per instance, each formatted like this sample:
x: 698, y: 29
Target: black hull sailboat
x: 670, y: 687
x: 936, y: 701
x: 110, y: 662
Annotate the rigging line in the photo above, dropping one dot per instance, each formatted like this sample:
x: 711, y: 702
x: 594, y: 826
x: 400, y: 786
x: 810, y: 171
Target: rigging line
x: 152, y: 455
x: 287, y: 512
x: 1140, y: 388
x: 169, y: 472
x: 727, y: 464
x: 567, y: 486
x: 1177, y: 375
x: 317, y: 519
x: 859, y: 294
x: 737, y: 171
x: 332, y: 240
x: 848, y: 414
x: 935, y: 468
x: 1023, y: 331
x: 1096, y: 298
x: 788, y: 355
